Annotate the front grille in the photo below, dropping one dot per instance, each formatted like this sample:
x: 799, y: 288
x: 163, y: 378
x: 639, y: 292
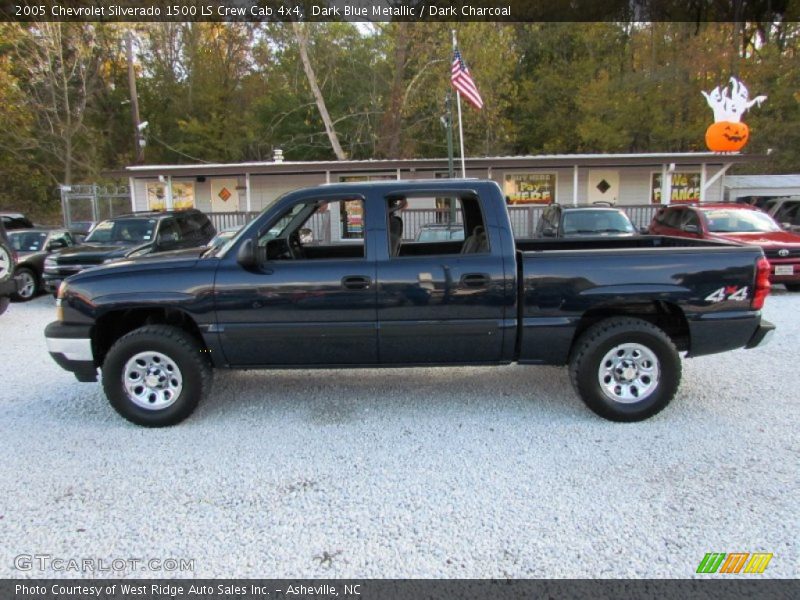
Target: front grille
x: 775, y: 253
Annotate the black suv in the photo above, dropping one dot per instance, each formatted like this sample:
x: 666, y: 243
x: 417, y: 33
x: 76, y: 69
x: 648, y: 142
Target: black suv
x: 8, y: 285
x: 131, y: 235
x: 558, y: 221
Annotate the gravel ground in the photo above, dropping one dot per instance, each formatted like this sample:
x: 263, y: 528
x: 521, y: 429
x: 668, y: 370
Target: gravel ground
x: 467, y: 472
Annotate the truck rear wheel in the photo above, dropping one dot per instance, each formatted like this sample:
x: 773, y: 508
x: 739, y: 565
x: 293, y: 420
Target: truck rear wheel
x: 156, y: 375
x: 625, y: 369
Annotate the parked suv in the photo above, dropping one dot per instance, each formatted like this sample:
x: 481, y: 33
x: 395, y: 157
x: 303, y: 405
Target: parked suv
x: 127, y: 236
x: 8, y: 285
x: 559, y: 221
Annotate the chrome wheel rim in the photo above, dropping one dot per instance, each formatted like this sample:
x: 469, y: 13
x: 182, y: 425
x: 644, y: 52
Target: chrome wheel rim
x: 152, y: 380
x: 629, y: 373
x: 5, y: 263
x: 27, y: 285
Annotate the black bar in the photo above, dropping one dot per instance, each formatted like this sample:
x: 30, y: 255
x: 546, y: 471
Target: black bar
x: 693, y: 11
x: 727, y: 587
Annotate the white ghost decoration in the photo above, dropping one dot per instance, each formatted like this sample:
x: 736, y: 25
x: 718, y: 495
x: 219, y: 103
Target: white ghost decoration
x: 730, y: 103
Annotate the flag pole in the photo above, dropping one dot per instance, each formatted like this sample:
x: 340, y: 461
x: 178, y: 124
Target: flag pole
x: 460, y: 126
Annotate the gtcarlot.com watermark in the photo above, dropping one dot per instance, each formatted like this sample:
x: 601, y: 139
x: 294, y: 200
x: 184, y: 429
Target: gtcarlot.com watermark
x: 62, y: 564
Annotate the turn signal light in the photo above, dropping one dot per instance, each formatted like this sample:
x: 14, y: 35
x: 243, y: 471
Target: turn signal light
x: 62, y: 288
x: 762, y: 285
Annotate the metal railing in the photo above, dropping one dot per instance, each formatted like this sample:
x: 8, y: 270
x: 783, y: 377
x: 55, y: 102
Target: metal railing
x: 230, y: 220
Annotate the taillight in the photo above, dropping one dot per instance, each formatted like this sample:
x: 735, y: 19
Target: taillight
x: 762, y: 285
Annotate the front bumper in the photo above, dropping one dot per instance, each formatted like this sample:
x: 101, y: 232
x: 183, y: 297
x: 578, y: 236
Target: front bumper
x: 762, y: 335
x: 71, y: 347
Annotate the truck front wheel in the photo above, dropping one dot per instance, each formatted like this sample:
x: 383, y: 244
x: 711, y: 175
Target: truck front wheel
x: 156, y: 375
x: 625, y: 369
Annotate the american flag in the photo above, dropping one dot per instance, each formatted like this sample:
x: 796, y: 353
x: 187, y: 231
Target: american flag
x: 463, y: 82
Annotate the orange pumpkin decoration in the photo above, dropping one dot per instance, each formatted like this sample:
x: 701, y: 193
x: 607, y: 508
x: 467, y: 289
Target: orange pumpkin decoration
x: 727, y: 136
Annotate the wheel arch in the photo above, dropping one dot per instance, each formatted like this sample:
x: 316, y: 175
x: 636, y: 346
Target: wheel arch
x: 114, y: 324
x: 667, y: 316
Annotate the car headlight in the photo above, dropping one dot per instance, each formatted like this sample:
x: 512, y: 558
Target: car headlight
x: 62, y: 290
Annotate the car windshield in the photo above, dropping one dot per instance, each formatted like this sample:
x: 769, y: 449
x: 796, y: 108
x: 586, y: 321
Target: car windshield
x: 131, y: 231
x: 27, y: 241
x: 596, y: 221
x: 739, y: 221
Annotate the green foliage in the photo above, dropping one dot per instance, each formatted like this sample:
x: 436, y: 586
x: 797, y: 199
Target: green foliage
x: 237, y: 91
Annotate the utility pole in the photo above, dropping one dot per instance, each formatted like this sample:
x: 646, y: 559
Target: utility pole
x: 138, y: 138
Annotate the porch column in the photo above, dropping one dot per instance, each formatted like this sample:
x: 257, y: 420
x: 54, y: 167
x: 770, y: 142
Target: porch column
x: 666, y: 184
x: 703, y: 176
x: 169, y: 192
x: 247, y: 196
x: 132, y: 188
x: 713, y: 180
x: 575, y: 185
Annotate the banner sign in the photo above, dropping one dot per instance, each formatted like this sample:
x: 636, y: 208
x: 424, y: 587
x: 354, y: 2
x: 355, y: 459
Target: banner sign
x: 685, y: 188
x: 530, y: 188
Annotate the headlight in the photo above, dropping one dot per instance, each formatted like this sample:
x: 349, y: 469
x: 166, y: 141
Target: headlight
x: 62, y: 290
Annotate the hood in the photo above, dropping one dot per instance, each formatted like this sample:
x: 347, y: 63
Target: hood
x: 771, y: 239
x: 94, y: 254
x: 159, y: 262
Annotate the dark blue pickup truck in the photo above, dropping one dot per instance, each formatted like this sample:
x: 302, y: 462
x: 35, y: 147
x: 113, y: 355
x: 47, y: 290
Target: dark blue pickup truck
x: 324, y: 278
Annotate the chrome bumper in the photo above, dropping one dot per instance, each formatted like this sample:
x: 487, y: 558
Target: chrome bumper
x: 77, y: 349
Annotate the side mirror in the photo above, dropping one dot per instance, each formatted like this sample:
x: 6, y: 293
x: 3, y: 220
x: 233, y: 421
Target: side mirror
x: 786, y: 225
x: 644, y: 230
x: 306, y: 236
x: 691, y: 229
x: 246, y: 256
x: 549, y: 232
x: 56, y: 245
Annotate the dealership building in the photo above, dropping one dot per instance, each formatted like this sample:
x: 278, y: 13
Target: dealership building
x: 233, y: 192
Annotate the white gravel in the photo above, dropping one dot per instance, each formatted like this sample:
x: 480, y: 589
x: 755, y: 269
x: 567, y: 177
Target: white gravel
x: 467, y: 472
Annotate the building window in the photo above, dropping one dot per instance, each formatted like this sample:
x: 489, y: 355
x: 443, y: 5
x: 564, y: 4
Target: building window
x: 529, y: 188
x: 182, y: 195
x: 685, y: 188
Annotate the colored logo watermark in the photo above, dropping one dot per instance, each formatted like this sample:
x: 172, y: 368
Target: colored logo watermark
x: 735, y: 562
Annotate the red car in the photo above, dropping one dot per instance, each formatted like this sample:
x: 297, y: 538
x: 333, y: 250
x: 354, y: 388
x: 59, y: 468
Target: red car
x: 738, y: 223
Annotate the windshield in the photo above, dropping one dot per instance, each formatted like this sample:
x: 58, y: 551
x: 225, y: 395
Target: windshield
x: 128, y: 231
x: 27, y: 241
x: 739, y: 221
x: 596, y: 221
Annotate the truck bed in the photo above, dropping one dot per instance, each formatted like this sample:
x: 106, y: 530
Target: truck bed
x: 565, y: 284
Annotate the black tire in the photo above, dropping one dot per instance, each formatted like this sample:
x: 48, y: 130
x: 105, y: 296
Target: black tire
x: 6, y: 260
x: 25, y: 294
x: 4, y: 302
x: 627, y: 335
x: 792, y: 287
x: 177, y: 346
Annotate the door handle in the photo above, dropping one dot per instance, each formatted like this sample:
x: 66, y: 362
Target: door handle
x: 356, y: 282
x: 475, y: 280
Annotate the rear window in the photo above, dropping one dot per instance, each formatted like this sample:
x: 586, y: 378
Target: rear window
x: 596, y: 221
